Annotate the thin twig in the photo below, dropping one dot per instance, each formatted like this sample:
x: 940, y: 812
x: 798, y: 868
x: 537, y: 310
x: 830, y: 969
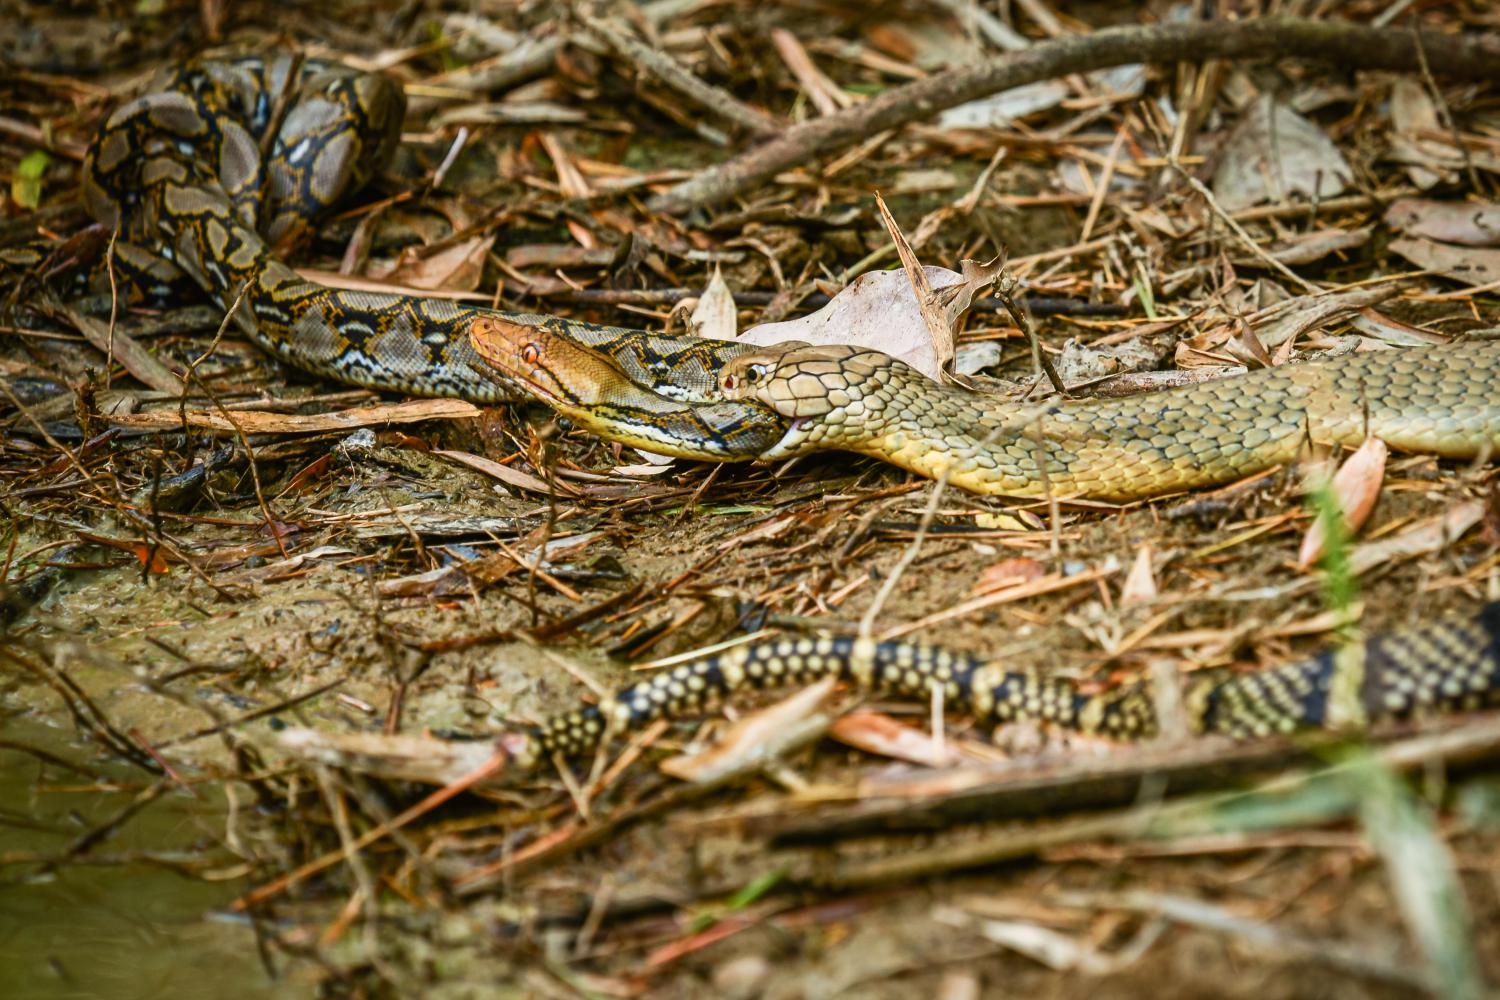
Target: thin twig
x: 1350, y: 46
x: 672, y: 73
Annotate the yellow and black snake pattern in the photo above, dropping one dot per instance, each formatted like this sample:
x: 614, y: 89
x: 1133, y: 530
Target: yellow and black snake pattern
x: 1442, y: 667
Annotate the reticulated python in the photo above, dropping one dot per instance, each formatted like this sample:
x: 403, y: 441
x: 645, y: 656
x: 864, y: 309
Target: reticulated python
x: 179, y: 172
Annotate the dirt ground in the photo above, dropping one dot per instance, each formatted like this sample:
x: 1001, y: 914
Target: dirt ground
x: 177, y: 599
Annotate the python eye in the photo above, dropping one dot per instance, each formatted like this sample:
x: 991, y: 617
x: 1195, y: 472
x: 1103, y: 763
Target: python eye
x: 529, y: 354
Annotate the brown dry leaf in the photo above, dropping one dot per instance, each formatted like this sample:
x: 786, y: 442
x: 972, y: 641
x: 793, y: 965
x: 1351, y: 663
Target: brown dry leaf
x: 944, y: 338
x: 256, y: 422
x: 715, y: 316
x: 1140, y: 582
x: 878, y: 733
x: 1304, y: 248
x: 1355, y: 488
x: 878, y: 310
x: 1008, y: 573
x: 1475, y: 224
x: 504, y: 473
x: 1294, y: 317
x: 1413, y: 119
x: 757, y: 738
x: 455, y: 268
x: 1383, y: 328
x: 355, y: 283
x: 1469, y: 265
x: 1275, y: 153
x: 1423, y: 538
x: 394, y: 758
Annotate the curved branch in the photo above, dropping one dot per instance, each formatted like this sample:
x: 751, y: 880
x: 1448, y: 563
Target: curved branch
x: 1350, y: 46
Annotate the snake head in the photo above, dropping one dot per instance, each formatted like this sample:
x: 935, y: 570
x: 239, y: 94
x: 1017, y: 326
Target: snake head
x: 802, y: 381
x: 551, y: 366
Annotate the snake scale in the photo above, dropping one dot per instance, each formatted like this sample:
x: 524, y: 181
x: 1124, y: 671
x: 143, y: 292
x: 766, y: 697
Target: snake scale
x: 222, y: 159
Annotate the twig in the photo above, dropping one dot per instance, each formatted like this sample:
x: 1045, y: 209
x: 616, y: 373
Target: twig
x: 1239, y: 231
x: 1349, y: 46
x: 672, y: 73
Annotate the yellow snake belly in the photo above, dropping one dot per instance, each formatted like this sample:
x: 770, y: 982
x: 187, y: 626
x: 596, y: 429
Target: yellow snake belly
x: 1439, y: 400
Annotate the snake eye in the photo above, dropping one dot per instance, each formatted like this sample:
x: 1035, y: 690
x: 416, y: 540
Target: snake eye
x: 752, y: 375
x: 529, y: 354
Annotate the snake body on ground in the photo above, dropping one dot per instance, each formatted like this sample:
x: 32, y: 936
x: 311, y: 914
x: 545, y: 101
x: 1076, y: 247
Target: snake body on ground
x: 180, y: 173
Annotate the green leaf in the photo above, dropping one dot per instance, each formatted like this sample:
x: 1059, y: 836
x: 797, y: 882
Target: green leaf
x: 26, y: 187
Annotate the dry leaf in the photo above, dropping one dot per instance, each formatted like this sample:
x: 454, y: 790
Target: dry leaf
x: 455, y: 268
x: 1423, y: 538
x: 1413, y: 118
x: 757, y: 738
x: 877, y: 310
x: 1140, y: 582
x: 715, y: 317
x: 1383, y: 328
x: 1275, y: 153
x: 1008, y: 573
x: 394, y: 758
x: 944, y: 338
x: 256, y: 422
x: 1475, y: 224
x: 878, y: 733
x: 1355, y: 488
x: 1469, y: 265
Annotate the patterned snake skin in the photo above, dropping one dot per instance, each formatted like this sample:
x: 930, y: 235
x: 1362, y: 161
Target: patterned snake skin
x: 1443, y: 667
x: 180, y: 173
x: 1439, y: 401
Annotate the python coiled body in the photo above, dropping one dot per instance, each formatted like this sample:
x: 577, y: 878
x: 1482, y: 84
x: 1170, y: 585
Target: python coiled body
x: 179, y: 173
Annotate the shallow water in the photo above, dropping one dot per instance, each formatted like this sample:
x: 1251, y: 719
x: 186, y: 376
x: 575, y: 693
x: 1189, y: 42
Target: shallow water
x: 121, y: 931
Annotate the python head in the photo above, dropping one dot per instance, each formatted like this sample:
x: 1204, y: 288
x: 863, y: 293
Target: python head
x: 551, y: 366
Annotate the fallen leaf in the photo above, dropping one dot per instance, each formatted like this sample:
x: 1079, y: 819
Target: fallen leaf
x: 1304, y: 248
x: 877, y: 310
x: 1140, y: 582
x: 1475, y: 224
x: 1275, y: 153
x: 394, y: 758
x: 1000, y: 110
x: 1469, y: 265
x: 757, y: 738
x: 715, y: 316
x: 878, y: 733
x: 1355, y: 488
x: 504, y: 473
x: 1413, y: 119
x: 1383, y: 328
x: 1007, y: 573
x: 1423, y: 538
x: 257, y: 422
x: 455, y: 268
